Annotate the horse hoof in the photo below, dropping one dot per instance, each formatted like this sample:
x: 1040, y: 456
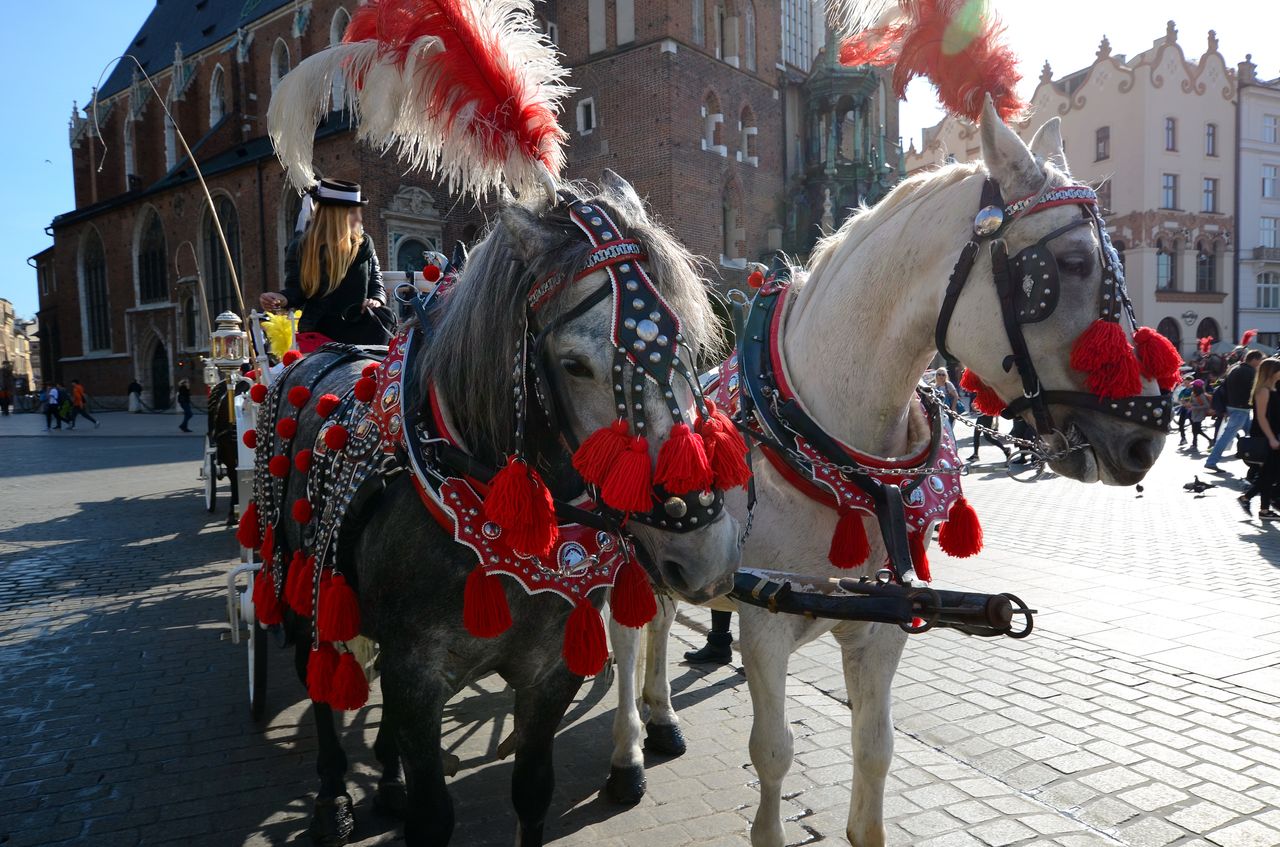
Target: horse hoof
x: 626, y: 785
x: 332, y: 823
x: 392, y: 799
x: 666, y: 739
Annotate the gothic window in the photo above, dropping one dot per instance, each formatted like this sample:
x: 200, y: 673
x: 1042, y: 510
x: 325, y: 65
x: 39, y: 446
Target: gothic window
x: 713, y: 125
x: 748, y: 145
x: 130, y: 161
x: 219, y: 285
x: 699, y: 22
x: 217, y: 96
x: 749, y: 34
x: 151, y: 261
x: 279, y: 62
x: 1208, y: 328
x: 191, y: 323
x: 170, y: 135
x: 337, y: 27
x: 586, y: 115
x: 93, y: 281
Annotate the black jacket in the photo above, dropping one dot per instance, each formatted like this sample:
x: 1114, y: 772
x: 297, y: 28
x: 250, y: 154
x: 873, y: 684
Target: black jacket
x: 337, y: 315
x: 1239, y: 386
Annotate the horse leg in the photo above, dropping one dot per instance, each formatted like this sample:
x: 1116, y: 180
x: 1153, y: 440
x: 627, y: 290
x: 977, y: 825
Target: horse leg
x: 332, y: 821
x: 870, y: 655
x: 766, y: 650
x: 429, y: 810
x: 662, y: 731
x: 538, y: 711
x: 392, y: 797
x: 626, y: 782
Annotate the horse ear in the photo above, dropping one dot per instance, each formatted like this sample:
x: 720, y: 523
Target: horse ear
x: 530, y: 239
x: 1008, y: 160
x: 622, y: 191
x: 1046, y: 144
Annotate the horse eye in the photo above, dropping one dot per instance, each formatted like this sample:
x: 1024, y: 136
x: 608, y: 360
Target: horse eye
x: 1075, y: 264
x: 576, y: 368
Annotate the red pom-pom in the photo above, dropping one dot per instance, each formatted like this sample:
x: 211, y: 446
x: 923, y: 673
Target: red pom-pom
x: 755, y: 279
x: 519, y: 502
x: 258, y: 392
x: 298, y: 396
x: 961, y: 535
x: 326, y: 404
x: 250, y: 439
x: 485, y: 612
x: 278, y: 466
x: 365, y: 388
x: 849, y: 545
x: 629, y: 484
x: 302, y: 461
x: 919, y: 558
x: 595, y: 456
x: 985, y: 400
x: 299, y: 585
x: 301, y: 510
x: 682, y: 462
x: 290, y: 356
x: 338, y: 618
x: 632, y: 602
x: 251, y: 375
x: 248, y: 533
x: 726, y: 449
x: 584, y: 648
x: 335, y: 437
x: 1158, y: 359
x: 321, y: 666
x: 350, y: 688
x: 286, y: 428
x: 266, y: 605
x: 430, y: 273
x: 1103, y: 355
x: 369, y: 370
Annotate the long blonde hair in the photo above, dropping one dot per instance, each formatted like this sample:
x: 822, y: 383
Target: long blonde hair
x: 1266, y: 372
x: 330, y: 235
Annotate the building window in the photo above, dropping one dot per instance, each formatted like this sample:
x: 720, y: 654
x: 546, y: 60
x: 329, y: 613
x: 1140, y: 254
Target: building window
x: 1269, y: 290
x: 1208, y: 328
x: 1210, y: 195
x: 1102, y: 143
x: 217, y: 96
x: 1211, y: 139
x: 220, y: 286
x: 191, y: 316
x: 586, y: 116
x: 170, y: 136
x: 713, y: 126
x: 1170, y: 134
x: 1206, y: 267
x: 553, y: 32
x: 1168, y: 327
x: 747, y: 151
x: 151, y: 259
x: 279, y: 62
x: 749, y: 34
x: 1104, y: 197
x: 1169, y: 191
x: 1166, y: 266
x: 1267, y: 230
x: 699, y: 22
x: 1270, y: 129
x: 1269, y: 176
x: 93, y: 280
x: 797, y: 33
x: 130, y: 162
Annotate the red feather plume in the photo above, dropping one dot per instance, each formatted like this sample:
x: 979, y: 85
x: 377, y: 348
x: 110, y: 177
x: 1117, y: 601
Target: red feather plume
x: 1247, y: 338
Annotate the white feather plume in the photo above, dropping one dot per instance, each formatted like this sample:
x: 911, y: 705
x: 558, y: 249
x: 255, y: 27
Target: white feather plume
x: 850, y: 16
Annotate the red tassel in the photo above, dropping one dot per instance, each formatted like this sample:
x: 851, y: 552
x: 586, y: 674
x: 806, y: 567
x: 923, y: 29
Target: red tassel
x: 248, y: 533
x: 485, y: 612
x: 986, y: 400
x: 321, y: 666
x: 519, y: 502
x: 593, y: 459
x: 919, y: 558
x: 301, y: 510
x: 250, y: 439
x: 258, y: 392
x: 335, y: 437
x: 286, y: 428
x: 369, y: 370
x: 365, y: 389
x: 629, y: 485
x: 302, y: 461
x: 326, y: 404
x: 849, y: 546
x: 584, y: 648
x: 290, y: 356
x: 338, y: 618
x: 682, y: 462
x: 350, y: 688
x: 961, y: 535
x: 298, y: 396
x: 632, y: 602
x: 1158, y: 359
x: 1103, y: 354
x: 266, y: 605
x: 278, y: 466
x: 726, y: 449
x: 299, y: 585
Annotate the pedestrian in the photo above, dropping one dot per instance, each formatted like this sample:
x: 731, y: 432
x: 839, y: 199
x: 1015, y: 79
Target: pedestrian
x: 1180, y: 396
x: 717, y: 650
x: 6, y: 399
x: 1238, y: 386
x: 1198, y: 408
x: 64, y: 405
x: 990, y: 422
x: 948, y: 395
x: 80, y: 404
x: 51, y: 416
x: 1266, y: 424
x: 331, y: 272
x: 135, y: 396
x: 184, y: 400
x: 1024, y: 432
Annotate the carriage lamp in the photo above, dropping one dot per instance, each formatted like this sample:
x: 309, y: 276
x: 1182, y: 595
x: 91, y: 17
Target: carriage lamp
x: 210, y: 373
x: 229, y: 345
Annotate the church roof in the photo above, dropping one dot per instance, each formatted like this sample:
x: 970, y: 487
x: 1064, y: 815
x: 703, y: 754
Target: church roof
x: 195, y: 24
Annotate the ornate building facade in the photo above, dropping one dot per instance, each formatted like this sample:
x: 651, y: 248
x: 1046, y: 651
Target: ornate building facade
x: 1258, y: 196
x: 1156, y: 135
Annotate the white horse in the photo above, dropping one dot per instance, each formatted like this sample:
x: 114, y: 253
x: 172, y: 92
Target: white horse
x: 856, y: 335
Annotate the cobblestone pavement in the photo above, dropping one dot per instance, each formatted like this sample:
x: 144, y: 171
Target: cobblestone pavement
x: 1144, y: 710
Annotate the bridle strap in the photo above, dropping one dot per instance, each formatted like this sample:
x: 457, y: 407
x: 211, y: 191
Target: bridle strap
x: 991, y: 198
x: 1021, y: 358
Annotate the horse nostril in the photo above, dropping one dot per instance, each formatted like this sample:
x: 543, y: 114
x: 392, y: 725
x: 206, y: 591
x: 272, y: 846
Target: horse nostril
x: 673, y: 573
x: 1141, y: 453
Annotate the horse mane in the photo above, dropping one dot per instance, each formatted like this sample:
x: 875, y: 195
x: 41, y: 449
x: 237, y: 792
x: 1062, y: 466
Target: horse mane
x: 471, y: 355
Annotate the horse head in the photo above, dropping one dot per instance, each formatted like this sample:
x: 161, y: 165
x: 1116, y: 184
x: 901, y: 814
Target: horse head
x: 542, y: 286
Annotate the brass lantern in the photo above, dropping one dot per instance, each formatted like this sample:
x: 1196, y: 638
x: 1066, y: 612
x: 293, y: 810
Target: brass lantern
x: 229, y: 345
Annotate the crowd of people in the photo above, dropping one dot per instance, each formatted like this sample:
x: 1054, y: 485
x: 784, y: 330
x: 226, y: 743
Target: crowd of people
x: 63, y: 406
